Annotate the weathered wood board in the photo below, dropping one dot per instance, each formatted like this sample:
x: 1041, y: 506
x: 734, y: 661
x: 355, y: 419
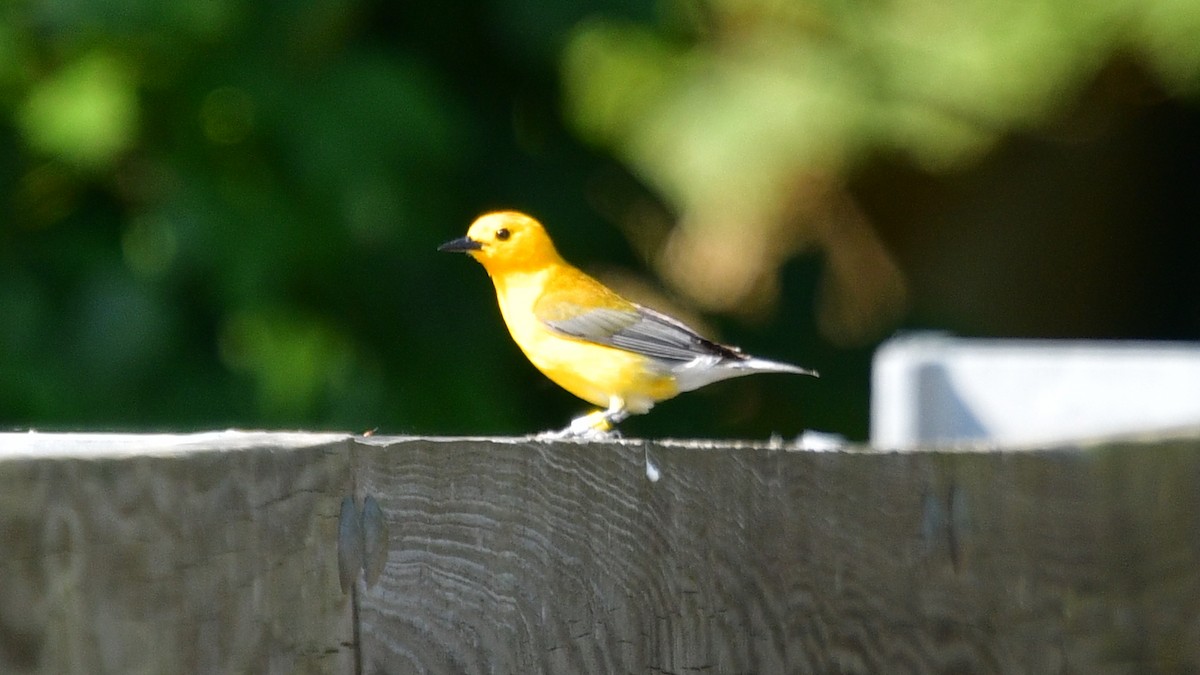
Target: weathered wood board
x: 211, y: 553
x: 533, y: 557
x: 220, y: 553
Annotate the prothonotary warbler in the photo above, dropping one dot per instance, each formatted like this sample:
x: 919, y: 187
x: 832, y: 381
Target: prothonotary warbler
x: 603, y: 348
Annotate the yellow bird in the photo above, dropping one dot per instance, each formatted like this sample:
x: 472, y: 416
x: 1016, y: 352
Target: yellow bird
x: 606, y: 350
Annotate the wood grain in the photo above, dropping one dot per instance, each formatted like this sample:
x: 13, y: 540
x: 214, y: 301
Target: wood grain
x: 220, y: 553
x: 533, y: 557
x: 212, y: 553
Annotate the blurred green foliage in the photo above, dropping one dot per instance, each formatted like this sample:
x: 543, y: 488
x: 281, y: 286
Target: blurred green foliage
x: 224, y: 213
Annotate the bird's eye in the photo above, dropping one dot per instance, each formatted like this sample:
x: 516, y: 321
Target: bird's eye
x: 503, y: 234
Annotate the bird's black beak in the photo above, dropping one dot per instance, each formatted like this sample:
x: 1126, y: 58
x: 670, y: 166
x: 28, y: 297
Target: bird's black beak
x: 460, y: 245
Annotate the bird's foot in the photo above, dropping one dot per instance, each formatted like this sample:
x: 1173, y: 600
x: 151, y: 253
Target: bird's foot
x: 593, y: 426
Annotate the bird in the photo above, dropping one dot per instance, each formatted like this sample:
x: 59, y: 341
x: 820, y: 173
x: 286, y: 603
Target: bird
x: 605, y: 349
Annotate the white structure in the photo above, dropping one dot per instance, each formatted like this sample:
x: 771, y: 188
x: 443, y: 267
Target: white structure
x: 931, y: 389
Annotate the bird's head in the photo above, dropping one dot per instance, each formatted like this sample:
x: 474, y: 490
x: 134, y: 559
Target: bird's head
x: 506, y: 241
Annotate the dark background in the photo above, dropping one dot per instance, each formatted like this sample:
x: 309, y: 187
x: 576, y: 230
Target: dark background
x: 225, y: 213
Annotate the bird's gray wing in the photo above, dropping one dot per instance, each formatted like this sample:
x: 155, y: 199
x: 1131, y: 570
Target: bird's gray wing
x: 642, y: 331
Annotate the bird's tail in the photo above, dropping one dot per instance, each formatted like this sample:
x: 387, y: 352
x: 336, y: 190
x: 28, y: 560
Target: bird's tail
x: 766, y: 366
x: 700, y: 372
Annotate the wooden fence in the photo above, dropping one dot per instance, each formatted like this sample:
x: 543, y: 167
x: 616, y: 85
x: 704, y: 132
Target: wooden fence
x: 324, y: 553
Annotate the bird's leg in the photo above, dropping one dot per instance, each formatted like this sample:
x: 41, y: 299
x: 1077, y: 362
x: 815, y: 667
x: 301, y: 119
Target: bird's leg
x: 598, y: 424
x: 615, y: 414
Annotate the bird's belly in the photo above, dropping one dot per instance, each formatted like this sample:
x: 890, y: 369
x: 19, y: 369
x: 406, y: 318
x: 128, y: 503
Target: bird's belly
x: 596, y: 373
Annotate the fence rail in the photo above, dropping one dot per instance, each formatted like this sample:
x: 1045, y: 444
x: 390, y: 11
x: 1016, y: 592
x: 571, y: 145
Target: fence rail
x: 282, y: 553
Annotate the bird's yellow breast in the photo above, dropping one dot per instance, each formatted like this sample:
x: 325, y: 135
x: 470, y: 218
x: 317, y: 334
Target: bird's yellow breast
x: 593, y: 372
